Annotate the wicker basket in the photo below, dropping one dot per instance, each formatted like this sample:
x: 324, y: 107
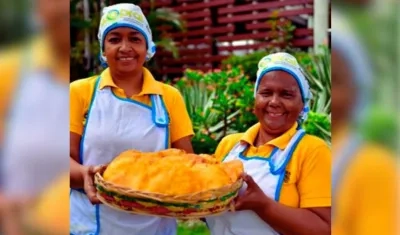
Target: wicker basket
x: 206, y: 203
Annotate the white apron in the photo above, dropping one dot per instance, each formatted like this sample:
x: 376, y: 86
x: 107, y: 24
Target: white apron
x: 269, y: 175
x: 36, y: 137
x: 114, y: 125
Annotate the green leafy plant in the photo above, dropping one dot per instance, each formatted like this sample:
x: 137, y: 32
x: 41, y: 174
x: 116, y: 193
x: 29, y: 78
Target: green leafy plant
x: 219, y: 103
x: 282, y: 32
x: 318, y: 124
x: 248, y: 63
x: 318, y: 74
x: 159, y: 19
x: 317, y: 68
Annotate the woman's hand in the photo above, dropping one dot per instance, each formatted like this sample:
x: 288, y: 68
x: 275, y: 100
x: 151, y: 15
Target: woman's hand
x: 88, y: 173
x: 284, y: 219
x: 253, y: 198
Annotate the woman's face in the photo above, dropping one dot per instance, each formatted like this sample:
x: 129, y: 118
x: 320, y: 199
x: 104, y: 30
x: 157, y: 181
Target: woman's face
x: 278, y: 102
x: 125, y: 49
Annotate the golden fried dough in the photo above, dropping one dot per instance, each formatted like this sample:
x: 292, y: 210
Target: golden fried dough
x: 233, y: 169
x: 171, y: 172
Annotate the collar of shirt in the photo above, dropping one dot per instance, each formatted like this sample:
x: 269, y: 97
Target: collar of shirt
x: 281, y: 142
x: 150, y: 85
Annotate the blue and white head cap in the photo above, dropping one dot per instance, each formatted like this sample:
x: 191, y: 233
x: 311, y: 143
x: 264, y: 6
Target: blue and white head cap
x: 125, y: 15
x: 282, y: 61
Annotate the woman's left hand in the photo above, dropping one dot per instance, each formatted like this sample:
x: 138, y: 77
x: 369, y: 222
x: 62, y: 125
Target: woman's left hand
x: 253, y: 198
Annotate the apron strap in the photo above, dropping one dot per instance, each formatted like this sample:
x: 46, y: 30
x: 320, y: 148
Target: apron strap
x: 159, y: 112
x: 238, y: 149
x: 278, y: 164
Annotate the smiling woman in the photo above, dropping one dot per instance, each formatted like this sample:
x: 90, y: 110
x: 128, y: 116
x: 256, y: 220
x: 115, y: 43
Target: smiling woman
x: 278, y: 102
x: 125, y: 49
x: 288, y: 172
x: 123, y: 108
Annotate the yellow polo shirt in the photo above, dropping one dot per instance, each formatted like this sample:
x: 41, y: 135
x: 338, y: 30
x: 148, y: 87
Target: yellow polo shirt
x: 307, y: 180
x: 81, y: 92
x: 366, y: 197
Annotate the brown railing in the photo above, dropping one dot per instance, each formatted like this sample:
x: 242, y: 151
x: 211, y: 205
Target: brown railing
x: 213, y: 26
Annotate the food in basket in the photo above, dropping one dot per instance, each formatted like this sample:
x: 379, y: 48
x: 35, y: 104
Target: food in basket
x: 169, y: 183
x: 170, y: 172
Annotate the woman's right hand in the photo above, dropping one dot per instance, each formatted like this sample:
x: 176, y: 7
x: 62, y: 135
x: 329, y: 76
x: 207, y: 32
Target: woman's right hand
x: 88, y: 173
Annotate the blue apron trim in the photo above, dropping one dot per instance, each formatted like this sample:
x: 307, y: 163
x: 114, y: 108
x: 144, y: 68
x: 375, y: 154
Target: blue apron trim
x: 165, y: 110
x: 237, y: 145
x: 160, y: 119
x: 84, y: 131
x: 131, y: 101
x: 167, y: 142
x: 268, y: 159
x: 87, y: 120
x: 283, y: 167
x: 97, y: 219
x: 271, y: 162
x: 281, y: 170
x: 282, y: 176
x: 165, y: 124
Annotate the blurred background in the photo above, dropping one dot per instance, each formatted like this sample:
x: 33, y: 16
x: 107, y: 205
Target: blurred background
x: 365, y: 113
x: 209, y: 50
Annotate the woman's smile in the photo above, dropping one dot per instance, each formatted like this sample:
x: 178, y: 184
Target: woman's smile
x: 275, y: 120
x: 125, y: 49
x: 127, y: 60
x: 278, y: 102
x: 275, y: 114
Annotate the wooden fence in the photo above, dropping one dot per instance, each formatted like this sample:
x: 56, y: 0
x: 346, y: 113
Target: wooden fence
x: 214, y: 28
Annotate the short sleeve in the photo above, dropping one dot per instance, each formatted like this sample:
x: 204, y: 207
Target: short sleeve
x: 78, y: 106
x: 181, y: 125
x: 314, y: 182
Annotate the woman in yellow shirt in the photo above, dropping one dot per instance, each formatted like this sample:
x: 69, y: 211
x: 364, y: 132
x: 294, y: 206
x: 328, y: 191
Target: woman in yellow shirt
x: 123, y: 108
x: 288, y: 172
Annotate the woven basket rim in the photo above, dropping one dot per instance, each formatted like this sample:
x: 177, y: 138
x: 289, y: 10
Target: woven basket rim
x: 188, y: 198
x: 176, y: 215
